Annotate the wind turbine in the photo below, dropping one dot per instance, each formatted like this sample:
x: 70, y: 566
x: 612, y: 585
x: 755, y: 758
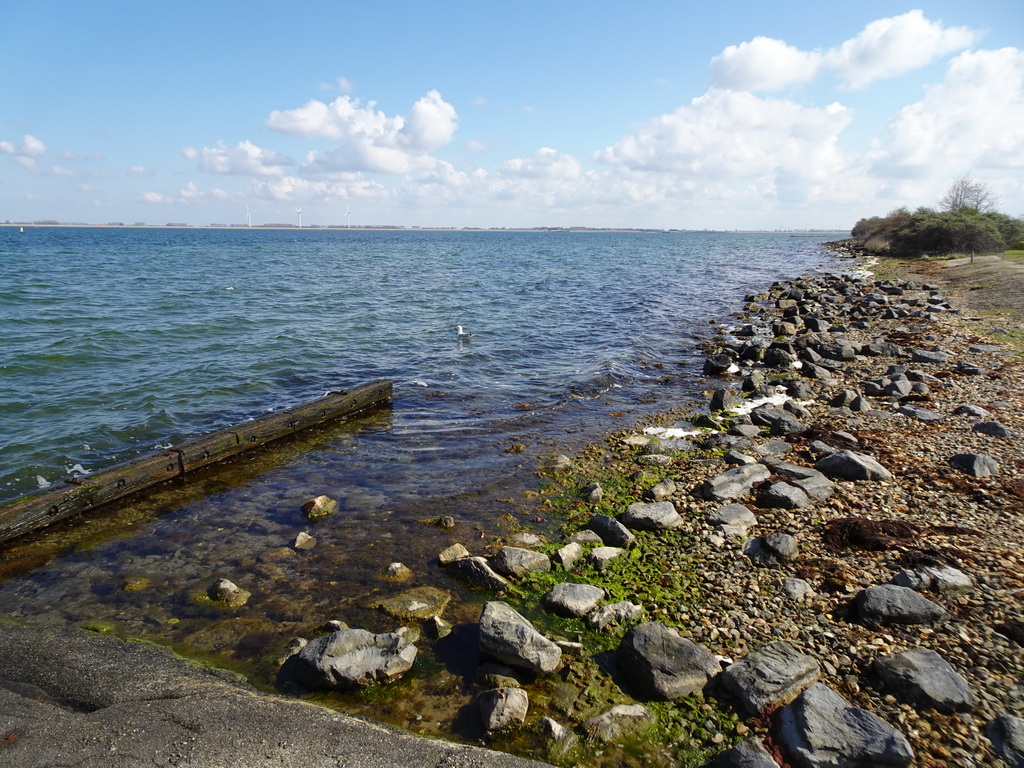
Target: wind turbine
x: 348, y: 221
x: 299, y: 211
x: 248, y: 216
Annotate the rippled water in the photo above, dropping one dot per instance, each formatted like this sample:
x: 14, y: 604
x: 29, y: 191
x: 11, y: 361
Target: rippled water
x: 113, y: 342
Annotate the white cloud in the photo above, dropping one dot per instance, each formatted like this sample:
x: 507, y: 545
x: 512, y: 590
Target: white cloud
x: 341, y: 85
x: 245, y: 159
x: 30, y: 147
x: 372, y: 140
x: 476, y: 145
x: 892, y: 46
x: 546, y: 163
x: 884, y: 48
x: 763, y: 64
x: 971, y: 121
x: 732, y: 135
x: 139, y: 170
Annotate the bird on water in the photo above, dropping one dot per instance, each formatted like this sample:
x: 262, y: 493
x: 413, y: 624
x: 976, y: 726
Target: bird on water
x: 461, y: 335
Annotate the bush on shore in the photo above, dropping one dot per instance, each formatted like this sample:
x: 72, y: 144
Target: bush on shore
x: 967, y: 223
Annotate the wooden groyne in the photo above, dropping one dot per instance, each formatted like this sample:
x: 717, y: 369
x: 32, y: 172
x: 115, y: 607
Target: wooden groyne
x: 36, y: 511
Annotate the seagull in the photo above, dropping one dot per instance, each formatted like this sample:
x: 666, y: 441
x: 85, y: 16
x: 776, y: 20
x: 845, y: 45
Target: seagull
x: 461, y: 335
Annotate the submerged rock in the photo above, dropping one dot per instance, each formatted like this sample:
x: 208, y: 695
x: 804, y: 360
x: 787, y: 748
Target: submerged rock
x: 318, y: 508
x: 416, y: 603
x: 228, y: 594
x: 502, y: 708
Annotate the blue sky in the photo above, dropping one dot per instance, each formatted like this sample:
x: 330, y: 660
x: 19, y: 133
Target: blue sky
x: 731, y: 115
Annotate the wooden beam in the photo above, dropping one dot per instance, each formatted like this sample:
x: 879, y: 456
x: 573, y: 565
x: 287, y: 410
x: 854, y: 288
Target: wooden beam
x: 36, y: 511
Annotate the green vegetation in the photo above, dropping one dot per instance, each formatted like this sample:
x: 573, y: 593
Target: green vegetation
x: 966, y: 224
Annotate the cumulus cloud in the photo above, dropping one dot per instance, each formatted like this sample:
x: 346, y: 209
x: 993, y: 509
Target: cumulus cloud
x: 892, y: 46
x: 884, y: 48
x: 244, y: 159
x: 735, y: 135
x: 970, y: 120
x: 30, y: 147
x: 546, y: 163
x: 763, y: 64
x: 372, y: 141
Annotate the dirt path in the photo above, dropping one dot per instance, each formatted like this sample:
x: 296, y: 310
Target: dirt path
x: 990, y: 284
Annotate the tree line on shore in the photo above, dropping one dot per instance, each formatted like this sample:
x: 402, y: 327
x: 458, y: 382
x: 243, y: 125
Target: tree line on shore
x: 965, y: 222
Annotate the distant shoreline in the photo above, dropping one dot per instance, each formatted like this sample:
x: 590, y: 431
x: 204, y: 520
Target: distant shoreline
x: 389, y: 228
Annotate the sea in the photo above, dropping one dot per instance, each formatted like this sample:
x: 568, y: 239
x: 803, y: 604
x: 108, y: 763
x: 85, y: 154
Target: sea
x: 115, y: 342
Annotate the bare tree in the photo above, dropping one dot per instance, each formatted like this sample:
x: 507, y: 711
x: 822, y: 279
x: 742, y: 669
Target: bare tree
x: 966, y: 192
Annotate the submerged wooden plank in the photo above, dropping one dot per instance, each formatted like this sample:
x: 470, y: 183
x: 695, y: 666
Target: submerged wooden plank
x: 30, y: 513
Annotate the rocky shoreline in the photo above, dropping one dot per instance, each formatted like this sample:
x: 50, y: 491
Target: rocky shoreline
x: 823, y: 568
x: 832, y: 577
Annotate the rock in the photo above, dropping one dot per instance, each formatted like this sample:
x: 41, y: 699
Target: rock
x: 822, y: 730
x: 926, y: 356
x: 992, y: 428
x: 556, y: 733
x: 717, y: 365
x: 621, y: 719
x: 568, y: 555
x: 923, y: 679
x: 796, y: 589
x: 972, y: 411
x: 616, y: 613
x: 577, y: 600
x: 451, y: 554
x: 778, y: 421
x: 747, y: 754
x: 651, y: 516
x: 663, y: 490
x: 773, y: 449
x: 732, y: 483
x: 493, y: 675
x: 416, y: 603
x: 734, y: 457
x: 513, y: 640
x: 892, y: 604
x: 851, y: 465
x: 525, y: 539
x: 514, y: 562
x: 655, y: 460
x: 1007, y: 736
x: 770, y: 677
x: 437, y: 627
x: 943, y: 579
x: 612, y: 532
x: 919, y: 413
x: 476, y: 572
x: 502, y: 708
x: 304, y: 541
x: 397, y: 572
x: 662, y: 665
x: 320, y: 507
x: 733, y: 520
x: 228, y: 594
x: 775, y: 548
x: 782, y: 495
x: 724, y: 400
x: 602, y: 557
x: 585, y: 537
x: 559, y: 463
x: 352, y: 658
x: 592, y: 493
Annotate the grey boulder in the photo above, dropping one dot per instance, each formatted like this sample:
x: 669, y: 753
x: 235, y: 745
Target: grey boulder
x: 1007, y: 736
x: 516, y: 562
x: 770, y: 677
x: 512, y: 639
x: 351, y: 658
x: 851, y: 465
x: 651, y: 516
x: 924, y: 679
x: 733, y: 483
x: 661, y: 664
x: 893, y: 604
x: 502, y: 708
x: 974, y: 464
x: 569, y: 599
x: 822, y: 730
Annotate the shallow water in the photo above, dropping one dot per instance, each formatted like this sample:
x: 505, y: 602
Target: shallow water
x: 117, y: 341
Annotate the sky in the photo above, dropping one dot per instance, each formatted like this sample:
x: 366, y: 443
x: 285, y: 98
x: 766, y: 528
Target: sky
x: 727, y: 115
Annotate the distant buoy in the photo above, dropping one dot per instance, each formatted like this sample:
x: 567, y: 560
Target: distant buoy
x: 21, y: 229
